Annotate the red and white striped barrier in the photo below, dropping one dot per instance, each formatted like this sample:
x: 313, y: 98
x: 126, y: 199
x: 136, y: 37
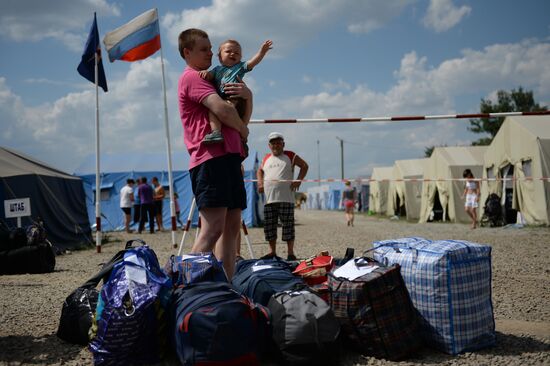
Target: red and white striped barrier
x: 400, y: 118
x: 329, y: 180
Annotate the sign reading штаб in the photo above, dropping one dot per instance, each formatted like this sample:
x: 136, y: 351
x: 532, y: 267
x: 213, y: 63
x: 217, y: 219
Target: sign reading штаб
x: 17, y: 207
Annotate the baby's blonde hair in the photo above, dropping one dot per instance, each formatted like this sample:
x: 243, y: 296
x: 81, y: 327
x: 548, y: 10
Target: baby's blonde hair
x: 231, y: 41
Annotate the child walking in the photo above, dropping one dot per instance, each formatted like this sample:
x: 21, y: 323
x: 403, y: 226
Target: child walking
x: 471, y: 196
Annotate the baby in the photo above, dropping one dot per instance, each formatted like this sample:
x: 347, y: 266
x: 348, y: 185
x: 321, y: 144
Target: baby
x: 231, y: 70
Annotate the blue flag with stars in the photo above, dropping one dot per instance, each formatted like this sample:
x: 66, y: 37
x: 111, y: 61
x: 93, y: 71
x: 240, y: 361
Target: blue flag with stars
x: 87, y: 64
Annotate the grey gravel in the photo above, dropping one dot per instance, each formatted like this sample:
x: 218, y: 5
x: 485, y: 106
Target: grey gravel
x: 30, y: 305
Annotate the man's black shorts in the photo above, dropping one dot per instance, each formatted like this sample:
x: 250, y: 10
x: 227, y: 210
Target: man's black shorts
x: 218, y: 182
x: 158, y: 207
x: 127, y: 210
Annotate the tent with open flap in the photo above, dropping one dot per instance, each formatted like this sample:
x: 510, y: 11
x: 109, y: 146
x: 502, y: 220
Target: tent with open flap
x: 521, y: 150
x: 405, y: 189
x: 380, y: 183
x: 442, y: 194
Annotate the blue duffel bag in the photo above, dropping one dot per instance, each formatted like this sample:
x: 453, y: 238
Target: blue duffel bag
x: 259, y: 279
x: 130, y: 323
x: 449, y: 282
x: 213, y: 324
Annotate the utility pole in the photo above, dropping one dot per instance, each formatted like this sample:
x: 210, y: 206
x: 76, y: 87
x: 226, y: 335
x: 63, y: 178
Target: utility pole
x: 341, y: 155
x: 318, y: 165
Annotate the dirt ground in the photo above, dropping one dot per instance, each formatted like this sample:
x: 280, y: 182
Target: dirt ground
x: 30, y: 305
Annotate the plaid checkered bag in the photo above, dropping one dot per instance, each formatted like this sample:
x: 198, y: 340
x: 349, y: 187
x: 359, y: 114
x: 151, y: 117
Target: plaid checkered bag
x: 376, y: 313
x: 449, y: 282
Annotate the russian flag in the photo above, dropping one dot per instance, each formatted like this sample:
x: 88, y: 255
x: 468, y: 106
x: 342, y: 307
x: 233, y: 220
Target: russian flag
x: 135, y: 40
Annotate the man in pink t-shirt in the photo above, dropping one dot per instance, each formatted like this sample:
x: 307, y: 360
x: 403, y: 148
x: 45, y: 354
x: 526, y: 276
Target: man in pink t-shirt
x: 215, y: 170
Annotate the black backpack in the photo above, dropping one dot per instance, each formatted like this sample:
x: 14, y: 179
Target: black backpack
x: 305, y: 329
x: 493, y: 210
x: 492, y: 205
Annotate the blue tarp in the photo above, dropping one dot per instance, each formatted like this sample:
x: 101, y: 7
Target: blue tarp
x: 115, y: 169
x: 325, y: 197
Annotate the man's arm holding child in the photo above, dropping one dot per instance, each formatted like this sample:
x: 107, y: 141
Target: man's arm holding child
x: 258, y: 57
x: 226, y: 113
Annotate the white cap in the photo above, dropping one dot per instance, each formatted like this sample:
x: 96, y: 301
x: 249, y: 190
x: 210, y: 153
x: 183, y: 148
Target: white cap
x: 275, y: 135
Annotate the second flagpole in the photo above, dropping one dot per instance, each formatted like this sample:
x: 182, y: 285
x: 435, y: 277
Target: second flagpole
x: 169, y: 153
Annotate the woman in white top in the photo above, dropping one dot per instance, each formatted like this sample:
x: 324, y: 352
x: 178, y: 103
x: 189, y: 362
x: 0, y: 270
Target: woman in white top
x: 471, y: 194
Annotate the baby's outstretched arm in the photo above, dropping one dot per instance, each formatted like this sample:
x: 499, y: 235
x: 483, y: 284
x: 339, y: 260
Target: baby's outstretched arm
x: 258, y: 57
x: 206, y: 75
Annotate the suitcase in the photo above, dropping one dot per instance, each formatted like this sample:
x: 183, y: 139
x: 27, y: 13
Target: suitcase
x: 449, y: 282
x: 375, y: 311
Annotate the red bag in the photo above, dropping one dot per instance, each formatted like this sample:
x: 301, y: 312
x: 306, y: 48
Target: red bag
x: 314, y: 270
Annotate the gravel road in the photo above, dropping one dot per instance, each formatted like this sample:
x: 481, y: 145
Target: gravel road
x: 30, y: 305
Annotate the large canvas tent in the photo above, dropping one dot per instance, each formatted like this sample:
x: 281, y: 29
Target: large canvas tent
x: 378, y: 195
x: 444, y: 190
x: 405, y: 193
x: 55, y: 196
x: 117, y: 168
x: 521, y: 149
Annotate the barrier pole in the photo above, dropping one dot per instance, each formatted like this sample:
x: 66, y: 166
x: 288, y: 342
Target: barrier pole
x: 247, y: 239
x: 187, y: 225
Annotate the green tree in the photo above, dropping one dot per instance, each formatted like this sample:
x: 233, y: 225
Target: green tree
x: 514, y: 101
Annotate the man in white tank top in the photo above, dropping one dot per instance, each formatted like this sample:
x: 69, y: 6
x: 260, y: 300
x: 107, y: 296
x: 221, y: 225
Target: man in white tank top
x: 274, y: 176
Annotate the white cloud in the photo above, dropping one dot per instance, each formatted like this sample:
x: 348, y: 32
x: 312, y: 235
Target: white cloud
x: 35, y: 20
x: 295, y: 24
x: 131, y: 118
x: 425, y: 89
x: 420, y: 89
x: 132, y: 111
x: 443, y: 15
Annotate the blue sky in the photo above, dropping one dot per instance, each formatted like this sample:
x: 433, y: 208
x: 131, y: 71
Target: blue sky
x: 331, y: 58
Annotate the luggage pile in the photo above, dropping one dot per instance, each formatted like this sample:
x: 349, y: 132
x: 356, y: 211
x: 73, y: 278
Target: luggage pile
x: 413, y: 292
x: 25, y: 250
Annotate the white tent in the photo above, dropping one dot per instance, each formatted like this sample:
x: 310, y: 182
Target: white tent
x: 445, y: 164
x: 405, y: 194
x: 378, y: 195
x: 521, y: 148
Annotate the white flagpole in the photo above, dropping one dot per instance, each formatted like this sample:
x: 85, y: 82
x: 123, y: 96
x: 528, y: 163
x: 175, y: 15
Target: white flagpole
x: 97, y: 180
x: 169, y: 152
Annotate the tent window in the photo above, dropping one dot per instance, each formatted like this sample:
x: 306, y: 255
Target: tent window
x: 490, y: 173
x: 526, y: 167
x: 104, y: 195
